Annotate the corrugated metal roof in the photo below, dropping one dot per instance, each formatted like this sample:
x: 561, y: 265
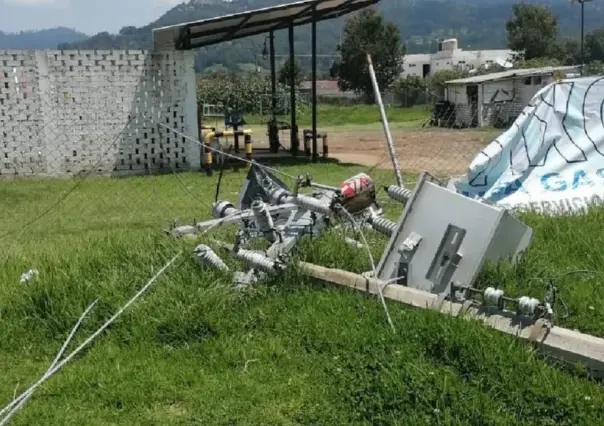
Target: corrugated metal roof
x: 526, y: 72
x: 230, y: 27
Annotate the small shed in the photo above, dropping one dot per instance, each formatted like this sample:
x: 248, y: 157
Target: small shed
x: 496, y: 99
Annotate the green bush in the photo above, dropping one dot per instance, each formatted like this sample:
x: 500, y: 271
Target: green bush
x: 246, y: 92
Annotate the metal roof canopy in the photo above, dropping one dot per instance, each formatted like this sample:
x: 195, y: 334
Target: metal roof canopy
x: 517, y: 73
x: 207, y: 32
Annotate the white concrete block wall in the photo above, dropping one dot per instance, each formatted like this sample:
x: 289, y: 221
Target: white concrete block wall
x: 69, y: 112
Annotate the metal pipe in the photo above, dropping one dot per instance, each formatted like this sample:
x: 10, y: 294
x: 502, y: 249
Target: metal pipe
x: 294, y: 143
x: 314, y: 82
x: 378, y: 97
x: 582, y: 35
x: 271, y: 37
x: 210, y: 136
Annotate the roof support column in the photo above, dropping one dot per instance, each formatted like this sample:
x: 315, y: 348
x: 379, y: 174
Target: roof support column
x: 273, y: 132
x: 294, y: 142
x: 314, y: 83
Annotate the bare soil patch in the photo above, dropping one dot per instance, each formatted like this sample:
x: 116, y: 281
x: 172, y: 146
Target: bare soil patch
x: 445, y: 152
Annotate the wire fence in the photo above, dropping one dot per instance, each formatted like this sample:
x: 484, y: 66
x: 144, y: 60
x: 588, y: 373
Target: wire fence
x: 74, y: 158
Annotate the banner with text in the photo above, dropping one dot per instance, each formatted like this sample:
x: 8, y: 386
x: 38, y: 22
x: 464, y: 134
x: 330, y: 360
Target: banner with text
x: 551, y: 159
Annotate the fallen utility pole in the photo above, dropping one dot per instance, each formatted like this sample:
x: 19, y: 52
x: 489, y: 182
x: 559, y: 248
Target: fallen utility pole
x: 378, y: 97
x: 568, y: 345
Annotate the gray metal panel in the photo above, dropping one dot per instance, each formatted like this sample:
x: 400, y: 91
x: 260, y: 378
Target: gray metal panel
x: 456, y: 235
x: 512, y: 238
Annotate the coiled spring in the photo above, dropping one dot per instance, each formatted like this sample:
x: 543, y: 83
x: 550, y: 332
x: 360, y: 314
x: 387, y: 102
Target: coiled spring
x: 382, y: 225
x: 263, y: 219
x: 221, y: 209
x: 205, y: 255
x: 258, y: 261
x: 398, y: 194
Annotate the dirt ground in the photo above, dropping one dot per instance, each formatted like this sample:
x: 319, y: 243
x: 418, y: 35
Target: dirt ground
x: 446, y: 152
x: 441, y: 152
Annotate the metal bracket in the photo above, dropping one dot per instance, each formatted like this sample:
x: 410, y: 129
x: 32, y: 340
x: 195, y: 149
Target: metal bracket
x: 407, y: 250
x: 447, y: 258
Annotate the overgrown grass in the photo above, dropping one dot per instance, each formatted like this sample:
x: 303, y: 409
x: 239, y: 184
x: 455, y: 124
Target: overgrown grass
x: 336, y: 115
x: 290, y: 352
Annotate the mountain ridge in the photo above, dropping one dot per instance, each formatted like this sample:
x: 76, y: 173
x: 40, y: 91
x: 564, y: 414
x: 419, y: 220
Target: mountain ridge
x: 48, y: 38
x: 476, y: 24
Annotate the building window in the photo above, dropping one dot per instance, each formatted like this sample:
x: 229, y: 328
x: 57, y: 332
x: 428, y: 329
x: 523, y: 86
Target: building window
x: 528, y: 81
x: 461, y: 62
x: 411, y: 65
x: 537, y: 80
x: 489, y: 61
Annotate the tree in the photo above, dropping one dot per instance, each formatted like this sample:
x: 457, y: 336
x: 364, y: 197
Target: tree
x: 594, y: 46
x: 539, y: 63
x: 368, y: 33
x: 532, y: 30
x: 283, y: 75
x: 569, y: 51
x: 594, y: 68
x: 439, y: 78
x: 410, y: 89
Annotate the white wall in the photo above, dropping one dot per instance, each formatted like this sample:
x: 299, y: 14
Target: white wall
x: 69, y: 112
x: 450, y: 59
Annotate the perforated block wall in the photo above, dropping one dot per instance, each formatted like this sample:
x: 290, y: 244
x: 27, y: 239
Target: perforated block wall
x: 102, y: 112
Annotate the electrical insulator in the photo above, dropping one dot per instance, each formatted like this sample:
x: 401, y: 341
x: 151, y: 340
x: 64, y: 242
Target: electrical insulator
x: 280, y: 196
x: 312, y: 204
x: 353, y: 243
x: 528, y: 305
x: 493, y: 297
x: 207, y: 256
x: 257, y: 261
x: 382, y: 225
x: 222, y: 209
x: 398, y: 194
x: 264, y: 221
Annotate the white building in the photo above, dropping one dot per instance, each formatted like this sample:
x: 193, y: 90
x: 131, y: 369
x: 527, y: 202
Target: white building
x: 498, y: 98
x: 450, y: 56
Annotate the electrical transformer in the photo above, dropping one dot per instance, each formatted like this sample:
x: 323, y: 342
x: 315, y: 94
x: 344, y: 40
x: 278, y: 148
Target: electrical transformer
x: 445, y: 237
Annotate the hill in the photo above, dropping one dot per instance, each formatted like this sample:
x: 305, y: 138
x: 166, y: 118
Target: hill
x: 43, y: 39
x: 477, y: 24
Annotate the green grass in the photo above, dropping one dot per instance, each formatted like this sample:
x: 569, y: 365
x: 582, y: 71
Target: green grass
x: 333, y: 115
x: 290, y: 352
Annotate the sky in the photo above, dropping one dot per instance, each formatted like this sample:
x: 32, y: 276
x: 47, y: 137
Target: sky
x: 87, y: 16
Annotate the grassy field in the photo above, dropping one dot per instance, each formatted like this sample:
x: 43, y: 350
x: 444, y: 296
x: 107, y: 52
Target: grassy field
x: 333, y: 116
x: 290, y: 352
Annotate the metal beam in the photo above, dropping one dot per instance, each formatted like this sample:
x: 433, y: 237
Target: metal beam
x: 314, y: 85
x: 273, y: 132
x: 280, y: 23
x: 567, y: 345
x: 293, y: 144
x: 231, y: 33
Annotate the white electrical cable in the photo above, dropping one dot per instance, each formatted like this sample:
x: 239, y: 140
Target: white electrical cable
x: 19, y: 401
x: 69, y: 357
x: 373, y: 267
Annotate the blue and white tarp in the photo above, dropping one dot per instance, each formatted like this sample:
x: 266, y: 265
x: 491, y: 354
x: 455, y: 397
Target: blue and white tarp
x: 551, y: 159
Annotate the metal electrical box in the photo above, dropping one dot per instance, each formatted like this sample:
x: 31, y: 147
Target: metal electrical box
x: 443, y: 236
